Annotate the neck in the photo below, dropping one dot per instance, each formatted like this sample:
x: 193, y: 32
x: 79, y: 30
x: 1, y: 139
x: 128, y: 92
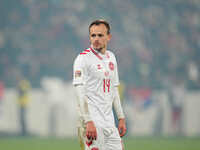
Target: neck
x: 102, y: 50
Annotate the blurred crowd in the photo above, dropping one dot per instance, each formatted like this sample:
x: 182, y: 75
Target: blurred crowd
x: 155, y: 41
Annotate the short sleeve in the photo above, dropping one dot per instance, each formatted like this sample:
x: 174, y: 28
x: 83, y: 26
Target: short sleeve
x: 79, y: 70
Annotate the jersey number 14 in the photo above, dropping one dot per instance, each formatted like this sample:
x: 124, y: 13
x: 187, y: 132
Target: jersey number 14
x: 106, y: 85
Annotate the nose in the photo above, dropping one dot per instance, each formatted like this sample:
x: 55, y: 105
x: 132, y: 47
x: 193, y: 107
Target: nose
x: 96, y: 38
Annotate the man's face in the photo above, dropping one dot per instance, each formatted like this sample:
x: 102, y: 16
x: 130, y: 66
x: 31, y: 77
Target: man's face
x: 99, y: 37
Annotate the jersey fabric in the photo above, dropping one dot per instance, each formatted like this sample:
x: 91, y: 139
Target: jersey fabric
x: 99, y: 75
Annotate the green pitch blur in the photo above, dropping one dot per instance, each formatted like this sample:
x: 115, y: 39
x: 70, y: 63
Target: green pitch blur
x: 72, y: 144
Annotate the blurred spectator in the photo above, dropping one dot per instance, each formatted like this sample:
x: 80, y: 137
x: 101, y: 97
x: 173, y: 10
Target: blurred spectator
x: 155, y: 37
x: 177, y: 94
x: 23, y: 89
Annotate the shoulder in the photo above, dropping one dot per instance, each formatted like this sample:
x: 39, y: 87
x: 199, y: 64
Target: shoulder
x: 111, y: 54
x: 85, y: 52
x: 82, y: 56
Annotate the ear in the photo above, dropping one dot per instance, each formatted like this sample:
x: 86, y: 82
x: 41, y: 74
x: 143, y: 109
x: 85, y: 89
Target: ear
x: 109, y: 37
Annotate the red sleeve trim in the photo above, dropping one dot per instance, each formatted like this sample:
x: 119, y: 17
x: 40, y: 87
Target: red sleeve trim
x: 86, y: 50
x: 83, y: 53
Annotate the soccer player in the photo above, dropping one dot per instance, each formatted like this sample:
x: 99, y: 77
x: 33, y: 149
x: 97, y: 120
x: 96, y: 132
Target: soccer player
x: 95, y: 77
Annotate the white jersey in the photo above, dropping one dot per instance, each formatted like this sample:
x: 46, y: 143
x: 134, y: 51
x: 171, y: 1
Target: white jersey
x: 99, y: 75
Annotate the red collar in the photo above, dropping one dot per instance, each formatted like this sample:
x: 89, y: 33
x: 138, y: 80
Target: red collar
x: 96, y: 53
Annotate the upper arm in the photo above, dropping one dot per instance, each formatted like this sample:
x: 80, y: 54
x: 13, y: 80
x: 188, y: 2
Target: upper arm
x: 79, y: 70
x: 116, y: 76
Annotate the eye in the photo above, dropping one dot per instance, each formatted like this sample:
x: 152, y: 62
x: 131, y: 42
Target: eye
x: 100, y: 35
x: 93, y: 35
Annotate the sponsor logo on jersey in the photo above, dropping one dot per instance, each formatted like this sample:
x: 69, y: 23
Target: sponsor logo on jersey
x: 107, y: 55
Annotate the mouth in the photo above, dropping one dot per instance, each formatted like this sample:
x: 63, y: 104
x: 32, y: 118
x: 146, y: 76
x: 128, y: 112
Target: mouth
x: 97, y: 46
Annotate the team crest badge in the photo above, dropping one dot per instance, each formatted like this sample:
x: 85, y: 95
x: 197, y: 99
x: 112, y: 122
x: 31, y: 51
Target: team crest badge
x: 111, y: 66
